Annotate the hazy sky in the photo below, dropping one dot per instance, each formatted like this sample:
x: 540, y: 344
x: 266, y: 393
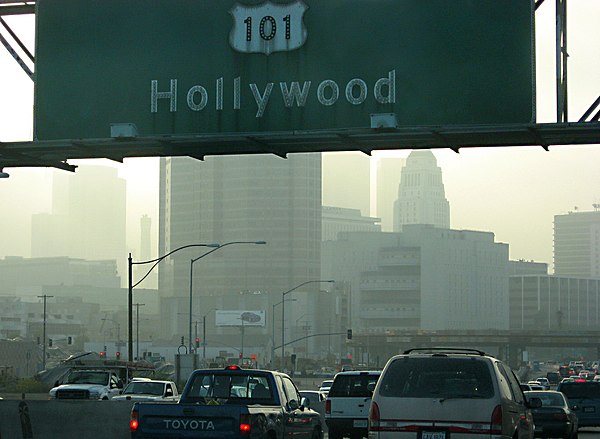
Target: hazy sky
x: 513, y: 192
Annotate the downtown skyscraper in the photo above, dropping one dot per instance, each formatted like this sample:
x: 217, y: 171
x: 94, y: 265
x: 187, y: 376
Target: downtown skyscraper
x: 237, y: 198
x: 421, y: 195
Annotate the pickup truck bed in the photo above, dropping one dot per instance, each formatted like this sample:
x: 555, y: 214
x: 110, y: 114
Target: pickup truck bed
x: 230, y: 403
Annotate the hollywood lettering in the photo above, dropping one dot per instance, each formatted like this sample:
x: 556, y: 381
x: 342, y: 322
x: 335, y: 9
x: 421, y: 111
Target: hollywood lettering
x: 327, y: 93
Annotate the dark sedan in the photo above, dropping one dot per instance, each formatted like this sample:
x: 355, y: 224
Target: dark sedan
x: 554, y: 418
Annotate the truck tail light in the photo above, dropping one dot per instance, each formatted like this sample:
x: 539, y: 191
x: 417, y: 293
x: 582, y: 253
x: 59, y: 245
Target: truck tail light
x: 328, y: 406
x: 245, y: 423
x: 133, y: 423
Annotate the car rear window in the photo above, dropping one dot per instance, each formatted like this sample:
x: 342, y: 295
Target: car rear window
x: 208, y: 386
x: 353, y: 385
x: 589, y: 390
x: 437, y: 377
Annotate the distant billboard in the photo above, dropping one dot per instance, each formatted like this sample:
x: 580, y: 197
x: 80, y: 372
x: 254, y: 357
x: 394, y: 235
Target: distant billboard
x: 214, y: 67
x: 240, y: 318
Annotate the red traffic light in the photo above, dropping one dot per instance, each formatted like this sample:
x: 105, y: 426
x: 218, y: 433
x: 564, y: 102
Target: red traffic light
x: 118, y: 355
x: 102, y: 353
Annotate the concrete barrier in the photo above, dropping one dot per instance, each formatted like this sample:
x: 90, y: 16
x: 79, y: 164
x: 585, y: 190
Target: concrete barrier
x: 50, y: 419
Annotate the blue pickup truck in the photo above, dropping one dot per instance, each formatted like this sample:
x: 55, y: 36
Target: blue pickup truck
x: 230, y: 403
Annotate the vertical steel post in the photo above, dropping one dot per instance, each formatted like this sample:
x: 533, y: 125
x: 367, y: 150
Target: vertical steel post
x: 130, y: 311
x: 562, y: 115
x: 191, y: 349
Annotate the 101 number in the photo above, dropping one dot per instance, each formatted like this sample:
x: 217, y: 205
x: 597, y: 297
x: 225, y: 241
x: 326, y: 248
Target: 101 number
x: 272, y: 29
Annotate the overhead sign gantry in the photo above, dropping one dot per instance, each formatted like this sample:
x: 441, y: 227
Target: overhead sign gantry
x: 127, y: 78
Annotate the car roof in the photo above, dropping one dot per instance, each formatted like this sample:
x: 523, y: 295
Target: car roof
x: 359, y: 372
x: 542, y: 391
x: 148, y: 380
x: 442, y: 352
x: 445, y: 350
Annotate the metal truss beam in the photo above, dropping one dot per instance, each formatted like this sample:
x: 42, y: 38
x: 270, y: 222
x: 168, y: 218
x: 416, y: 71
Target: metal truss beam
x: 56, y: 153
x: 13, y: 7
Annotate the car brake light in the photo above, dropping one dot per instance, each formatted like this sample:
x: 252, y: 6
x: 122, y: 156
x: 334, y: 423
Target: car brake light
x: 232, y: 367
x: 328, y: 406
x: 133, y: 423
x: 496, y: 421
x: 374, y: 415
x: 245, y: 423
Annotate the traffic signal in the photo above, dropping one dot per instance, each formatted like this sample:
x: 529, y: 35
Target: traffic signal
x: 197, y: 342
x: 293, y: 358
x: 69, y: 340
x: 102, y: 354
x: 182, y: 341
x: 349, y: 334
x: 50, y: 342
x: 118, y: 355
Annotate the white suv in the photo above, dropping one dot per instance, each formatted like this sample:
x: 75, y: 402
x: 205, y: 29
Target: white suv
x: 347, y: 404
x: 442, y: 393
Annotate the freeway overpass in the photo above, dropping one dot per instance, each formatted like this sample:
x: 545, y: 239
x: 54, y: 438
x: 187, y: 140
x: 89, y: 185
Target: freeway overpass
x: 510, y: 344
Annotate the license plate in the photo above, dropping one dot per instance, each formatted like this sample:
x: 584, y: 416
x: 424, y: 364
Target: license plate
x: 433, y: 435
x: 360, y: 423
x: 589, y: 409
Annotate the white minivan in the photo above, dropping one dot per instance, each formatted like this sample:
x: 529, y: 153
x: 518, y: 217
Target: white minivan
x: 443, y: 393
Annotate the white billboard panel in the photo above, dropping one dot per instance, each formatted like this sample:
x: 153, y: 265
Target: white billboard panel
x: 240, y: 318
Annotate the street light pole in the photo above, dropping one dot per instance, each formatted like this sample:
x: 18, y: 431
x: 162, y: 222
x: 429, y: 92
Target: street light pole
x: 131, y: 286
x: 273, y: 330
x: 137, y: 328
x: 283, y: 311
x: 192, y: 277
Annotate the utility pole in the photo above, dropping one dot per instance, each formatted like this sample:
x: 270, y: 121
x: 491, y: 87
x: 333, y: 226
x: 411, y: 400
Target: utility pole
x: 204, y: 337
x: 137, y: 328
x: 45, y: 297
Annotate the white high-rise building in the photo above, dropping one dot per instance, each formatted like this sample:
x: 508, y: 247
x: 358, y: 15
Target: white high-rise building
x: 577, y: 244
x: 339, y: 219
x: 421, y: 196
x: 422, y: 278
x: 347, y: 180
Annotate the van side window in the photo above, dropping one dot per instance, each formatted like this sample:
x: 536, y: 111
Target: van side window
x: 514, y: 384
x: 504, y: 382
x: 290, y: 390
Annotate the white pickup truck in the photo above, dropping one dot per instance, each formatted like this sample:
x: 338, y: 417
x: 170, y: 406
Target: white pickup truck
x: 88, y: 384
x: 145, y: 389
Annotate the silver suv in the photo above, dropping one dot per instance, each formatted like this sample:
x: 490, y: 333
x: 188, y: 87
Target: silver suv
x: 442, y: 393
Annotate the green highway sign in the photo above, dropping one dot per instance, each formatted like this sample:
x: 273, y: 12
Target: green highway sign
x: 184, y: 67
